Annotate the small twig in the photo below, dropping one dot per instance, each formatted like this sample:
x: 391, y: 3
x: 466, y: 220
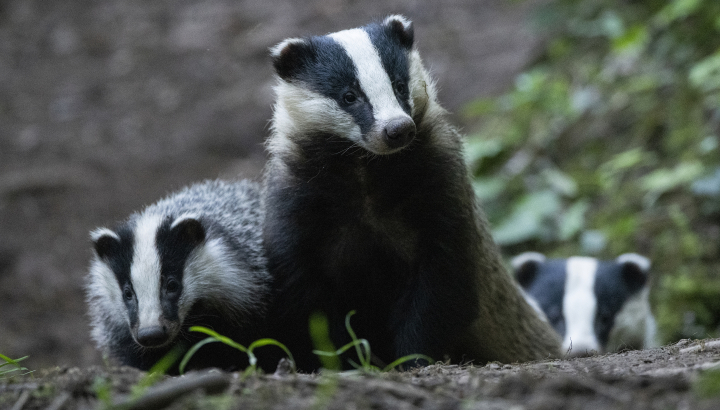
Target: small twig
x: 59, y: 401
x: 167, y: 392
x: 569, y: 348
x: 21, y: 401
x: 701, y: 347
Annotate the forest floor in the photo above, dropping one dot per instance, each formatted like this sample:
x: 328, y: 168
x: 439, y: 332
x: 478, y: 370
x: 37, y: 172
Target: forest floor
x: 685, y: 375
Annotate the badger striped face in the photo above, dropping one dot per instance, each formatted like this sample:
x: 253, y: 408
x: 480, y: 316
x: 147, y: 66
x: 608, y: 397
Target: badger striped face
x: 582, y: 296
x: 140, y: 270
x: 361, y: 84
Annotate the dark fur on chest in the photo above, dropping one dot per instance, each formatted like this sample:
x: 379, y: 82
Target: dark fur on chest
x: 349, y: 231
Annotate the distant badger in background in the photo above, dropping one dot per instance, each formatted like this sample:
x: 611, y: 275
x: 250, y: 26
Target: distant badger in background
x: 193, y: 258
x: 594, y: 305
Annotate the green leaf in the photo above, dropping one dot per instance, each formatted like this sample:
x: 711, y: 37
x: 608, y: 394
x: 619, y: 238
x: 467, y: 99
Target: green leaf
x: 663, y: 180
x: 705, y: 75
x: 525, y: 221
x: 572, y: 221
x: 490, y: 188
x: 676, y: 10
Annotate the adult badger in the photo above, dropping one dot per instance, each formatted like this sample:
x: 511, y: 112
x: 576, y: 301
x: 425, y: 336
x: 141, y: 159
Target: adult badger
x: 193, y: 258
x: 370, y: 208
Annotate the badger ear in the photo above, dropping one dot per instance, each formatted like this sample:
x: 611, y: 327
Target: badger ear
x: 401, y: 28
x: 188, y: 229
x: 105, y: 242
x: 635, y: 270
x: 526, y: 267
x: 290, y: 56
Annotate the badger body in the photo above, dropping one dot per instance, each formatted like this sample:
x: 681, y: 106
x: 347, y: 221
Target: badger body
x: 193, y: 258
x: 595, y: 306
x: 370, y: 208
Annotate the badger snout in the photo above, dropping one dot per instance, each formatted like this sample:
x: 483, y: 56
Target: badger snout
x: 399, y: 132
x: 152, y: 336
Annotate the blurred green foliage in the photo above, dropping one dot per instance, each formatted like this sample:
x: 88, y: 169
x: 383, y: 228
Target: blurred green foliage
x: 608, y: 143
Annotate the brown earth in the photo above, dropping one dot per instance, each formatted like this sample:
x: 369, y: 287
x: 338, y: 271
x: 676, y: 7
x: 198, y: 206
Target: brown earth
x: 672, y: 377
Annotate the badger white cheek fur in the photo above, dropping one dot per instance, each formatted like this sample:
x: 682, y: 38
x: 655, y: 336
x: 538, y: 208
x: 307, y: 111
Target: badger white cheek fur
x: 580, y: 306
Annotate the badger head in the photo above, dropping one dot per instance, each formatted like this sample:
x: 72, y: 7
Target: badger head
x: 139, y: 279
x: 365, y: 84
x: 581, y: 296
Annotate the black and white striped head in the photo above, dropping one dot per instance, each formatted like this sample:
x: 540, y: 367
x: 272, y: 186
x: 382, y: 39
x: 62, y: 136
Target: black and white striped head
x: 365, y: 84
x: 149, y: 273
x: 583, y: 297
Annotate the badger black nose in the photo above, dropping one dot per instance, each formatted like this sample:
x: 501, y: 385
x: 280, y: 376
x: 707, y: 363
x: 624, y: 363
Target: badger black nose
x: 399, y: 132
x: 152, y: 336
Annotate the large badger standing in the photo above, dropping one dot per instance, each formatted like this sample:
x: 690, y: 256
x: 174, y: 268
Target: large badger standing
x: 370, y: 208
x: 594, y: 305
x: 193, y: 258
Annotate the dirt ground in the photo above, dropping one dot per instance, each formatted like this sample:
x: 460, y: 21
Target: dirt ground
x: 672, y: 377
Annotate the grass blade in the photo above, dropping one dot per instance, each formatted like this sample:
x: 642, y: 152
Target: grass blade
x: 191, y: 352
x: 407, y: 358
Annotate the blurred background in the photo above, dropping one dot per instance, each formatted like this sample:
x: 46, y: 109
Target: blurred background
x: 592, y: 129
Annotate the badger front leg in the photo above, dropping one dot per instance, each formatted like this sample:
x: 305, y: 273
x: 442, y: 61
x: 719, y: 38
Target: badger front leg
x: 439, y: 305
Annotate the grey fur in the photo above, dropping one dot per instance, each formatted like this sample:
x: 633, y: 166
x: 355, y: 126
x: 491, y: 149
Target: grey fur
x: 226, y: 273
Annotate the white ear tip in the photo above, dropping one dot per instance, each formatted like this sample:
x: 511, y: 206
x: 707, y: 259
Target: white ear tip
x: 398, y: 17
x: 642, y: 262
x: 523, y: 258
x: 100, y: 232
x: 277, y: 49
x: 182, y: 218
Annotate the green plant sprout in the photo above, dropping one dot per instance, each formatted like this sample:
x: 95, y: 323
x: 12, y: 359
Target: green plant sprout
x: 320, y: 335
x: 362, y: 347
x: 14, y: 366
x: 156, y: 372
x: 216, y: 337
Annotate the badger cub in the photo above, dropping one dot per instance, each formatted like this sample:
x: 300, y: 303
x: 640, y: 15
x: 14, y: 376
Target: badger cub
x: 370, y: 208
x: 599, y: 306
x: 193, y: 258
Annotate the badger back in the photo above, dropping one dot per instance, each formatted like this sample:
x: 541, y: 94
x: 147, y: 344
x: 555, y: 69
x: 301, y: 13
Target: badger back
x: 201, y: 245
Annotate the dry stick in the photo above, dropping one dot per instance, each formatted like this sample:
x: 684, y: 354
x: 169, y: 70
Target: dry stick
x: 59, y: 401
x: 702, y: 346
x: 21, y: 401
x: 167, y: 392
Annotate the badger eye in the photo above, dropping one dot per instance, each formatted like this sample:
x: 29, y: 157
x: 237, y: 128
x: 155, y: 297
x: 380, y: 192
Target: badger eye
x: 400, y: 87
x: 349, y: 97
x: 172, y: 286
x: 128, y: 293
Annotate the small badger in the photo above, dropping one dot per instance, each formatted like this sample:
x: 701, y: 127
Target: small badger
x: 193, y: 258
x: 370, y: 208
x: 594, y: 305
